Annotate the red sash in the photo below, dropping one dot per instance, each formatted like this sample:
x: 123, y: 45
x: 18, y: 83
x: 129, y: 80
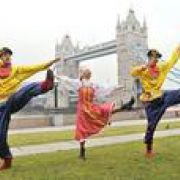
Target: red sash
x: 154, y: 71
x: 5, y: 70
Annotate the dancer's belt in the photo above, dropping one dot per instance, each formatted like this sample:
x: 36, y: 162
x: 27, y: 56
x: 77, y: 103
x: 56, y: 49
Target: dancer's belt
x: 150, y: 96
x: 154, y: 101
x: 3, y: 99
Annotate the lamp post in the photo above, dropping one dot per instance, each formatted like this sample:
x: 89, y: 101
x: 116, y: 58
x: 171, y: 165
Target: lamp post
x: 56, y: 95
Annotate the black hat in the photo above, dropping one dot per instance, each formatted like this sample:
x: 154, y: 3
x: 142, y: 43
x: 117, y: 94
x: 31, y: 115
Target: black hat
x: 154, y: 52
x: 6, y: 50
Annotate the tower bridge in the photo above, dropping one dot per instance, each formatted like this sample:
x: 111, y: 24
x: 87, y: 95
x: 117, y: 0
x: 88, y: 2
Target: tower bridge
x: 130, y: 45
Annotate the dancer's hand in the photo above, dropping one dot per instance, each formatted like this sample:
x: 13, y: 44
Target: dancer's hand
x: 177, y: 50
x: 143, y: 67
x: 53, y: 62
x: 56, y: 60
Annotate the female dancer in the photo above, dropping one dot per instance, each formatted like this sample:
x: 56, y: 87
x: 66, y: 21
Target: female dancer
x: 91, y: 116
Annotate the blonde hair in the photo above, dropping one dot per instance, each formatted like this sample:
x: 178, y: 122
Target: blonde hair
x: 82, y: 70
x: 1, y: 53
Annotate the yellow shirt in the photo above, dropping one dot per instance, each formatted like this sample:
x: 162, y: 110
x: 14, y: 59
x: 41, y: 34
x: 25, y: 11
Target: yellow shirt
x: 11, y: 84
x: 152, y: 86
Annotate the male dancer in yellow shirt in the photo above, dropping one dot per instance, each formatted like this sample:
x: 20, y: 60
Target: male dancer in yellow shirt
x: 13, y: 98
x: 152, y: 76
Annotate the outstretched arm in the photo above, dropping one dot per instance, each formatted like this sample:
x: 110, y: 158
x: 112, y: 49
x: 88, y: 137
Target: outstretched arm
x: 36, y: 68
x: 102, y: 92
x: 24, y: 72
x: 173, y: 58
x: 68, y: 83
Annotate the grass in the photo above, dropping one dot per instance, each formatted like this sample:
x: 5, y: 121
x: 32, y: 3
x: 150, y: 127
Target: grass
x: 50, y: 137
x: 117, y: 162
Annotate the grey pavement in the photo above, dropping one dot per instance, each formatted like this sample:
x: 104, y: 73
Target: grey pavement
x: 68, y: 145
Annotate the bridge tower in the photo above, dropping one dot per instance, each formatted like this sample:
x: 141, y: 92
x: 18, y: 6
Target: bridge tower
x: 68, y: 68
x: 132, y: 46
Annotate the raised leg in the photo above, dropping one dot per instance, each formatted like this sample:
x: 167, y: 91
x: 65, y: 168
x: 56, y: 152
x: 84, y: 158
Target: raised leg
x: 14, y: 104
x: 127, y: 106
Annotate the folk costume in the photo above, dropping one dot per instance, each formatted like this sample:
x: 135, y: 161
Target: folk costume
x: 91, y: 116
x: 155, y: 100
x: 13, y: 98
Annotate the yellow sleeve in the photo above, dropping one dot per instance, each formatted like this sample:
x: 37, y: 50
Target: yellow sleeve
x: 136, y: 71
x: 172, y: 60
x: 24, y: 72
x: 32, y: 68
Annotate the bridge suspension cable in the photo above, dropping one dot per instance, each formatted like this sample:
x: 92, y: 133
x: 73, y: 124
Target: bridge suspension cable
x: 173, y: 80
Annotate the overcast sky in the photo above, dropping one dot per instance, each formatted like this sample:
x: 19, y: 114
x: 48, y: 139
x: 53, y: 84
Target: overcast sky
x: 31, y: 27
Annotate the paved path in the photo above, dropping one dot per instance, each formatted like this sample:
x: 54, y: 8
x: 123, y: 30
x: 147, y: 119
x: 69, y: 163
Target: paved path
x: 66, y: 128
x: 47, y: 148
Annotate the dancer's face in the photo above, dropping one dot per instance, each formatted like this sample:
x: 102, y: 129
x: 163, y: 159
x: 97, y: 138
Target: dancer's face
x: 152, y: 61
x: 6, y: 57
x: 87, y: 74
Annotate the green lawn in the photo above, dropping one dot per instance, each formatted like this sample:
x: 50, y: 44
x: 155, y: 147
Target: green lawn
x: 117, y: 162
x: 49, y: 137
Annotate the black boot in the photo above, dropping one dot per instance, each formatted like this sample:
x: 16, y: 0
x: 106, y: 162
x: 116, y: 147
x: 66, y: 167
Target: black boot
x: 50, y: 75
x: 82, y: 153
x: 128, y: 105
x: 149, y: 147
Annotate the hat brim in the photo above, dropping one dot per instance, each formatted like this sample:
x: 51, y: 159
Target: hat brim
x: 158, y: 55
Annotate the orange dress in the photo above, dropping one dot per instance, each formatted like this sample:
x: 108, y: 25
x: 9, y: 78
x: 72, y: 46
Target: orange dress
x: 90, y: 117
